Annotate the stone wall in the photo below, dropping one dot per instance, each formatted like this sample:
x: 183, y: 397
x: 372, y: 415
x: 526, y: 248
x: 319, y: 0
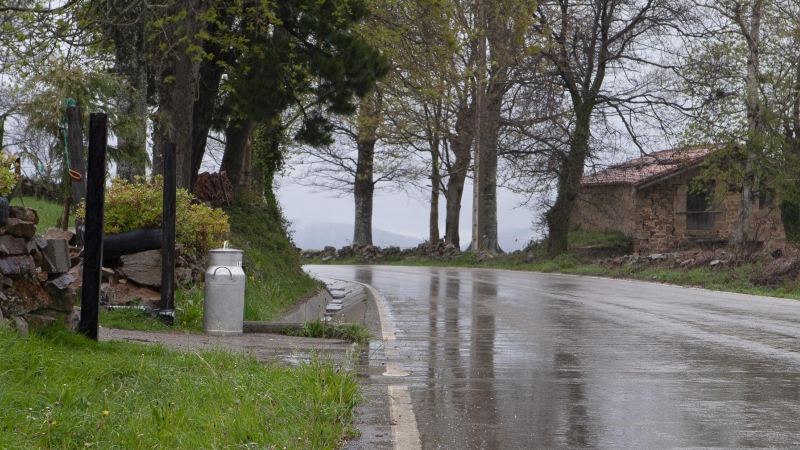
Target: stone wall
x: 40, y: 273
x: 662, y: 224
x: 136, y: 279
x: 605, y: 208
x: 656, y: 215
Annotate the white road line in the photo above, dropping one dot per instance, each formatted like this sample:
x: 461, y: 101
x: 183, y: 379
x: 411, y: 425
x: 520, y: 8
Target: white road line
x: 405, y: 435
x: 387, y: 331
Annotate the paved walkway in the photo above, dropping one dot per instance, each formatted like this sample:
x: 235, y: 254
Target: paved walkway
x: 269, y: 347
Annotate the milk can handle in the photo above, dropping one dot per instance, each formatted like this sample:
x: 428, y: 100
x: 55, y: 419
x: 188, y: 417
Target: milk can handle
x: 214, y: 275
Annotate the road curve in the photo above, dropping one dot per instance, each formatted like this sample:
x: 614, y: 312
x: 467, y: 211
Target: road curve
x: 518, y: 360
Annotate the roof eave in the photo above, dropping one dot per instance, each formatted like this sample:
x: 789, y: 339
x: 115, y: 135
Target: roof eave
x: 643, y: 184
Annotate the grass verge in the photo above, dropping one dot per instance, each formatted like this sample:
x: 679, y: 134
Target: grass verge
x: 318, y: 329
x: 275, y: 280
x: 63, y: 391
x: 730, y: 279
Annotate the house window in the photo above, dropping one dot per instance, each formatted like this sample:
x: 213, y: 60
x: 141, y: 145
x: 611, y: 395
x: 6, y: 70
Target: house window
x: 766, y: 200
x: 698, y: 206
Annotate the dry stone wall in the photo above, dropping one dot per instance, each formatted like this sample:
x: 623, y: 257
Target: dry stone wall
x: 40, y: 274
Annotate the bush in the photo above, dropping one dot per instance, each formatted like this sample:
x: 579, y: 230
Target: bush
x: 131, y: 206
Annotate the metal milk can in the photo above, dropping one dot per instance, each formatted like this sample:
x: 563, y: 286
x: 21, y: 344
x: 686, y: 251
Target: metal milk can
x: 223, y: 310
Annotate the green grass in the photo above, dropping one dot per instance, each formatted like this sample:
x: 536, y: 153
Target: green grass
x: 580, y: 238
x: 319, y: 329
x: 63, y: 391
x: 275, y: 280
x: 188, y: 314
x: 49, y: 212
x: 729, y: 279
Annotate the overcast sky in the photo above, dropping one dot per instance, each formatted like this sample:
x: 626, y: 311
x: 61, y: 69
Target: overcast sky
x: 400, y: 214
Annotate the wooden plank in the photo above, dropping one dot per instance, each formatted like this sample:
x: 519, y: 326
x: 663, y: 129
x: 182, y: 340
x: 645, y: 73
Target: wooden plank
x: 95, y: 212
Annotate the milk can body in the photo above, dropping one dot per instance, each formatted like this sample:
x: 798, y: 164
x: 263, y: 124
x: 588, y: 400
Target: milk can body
x: 223, y: 310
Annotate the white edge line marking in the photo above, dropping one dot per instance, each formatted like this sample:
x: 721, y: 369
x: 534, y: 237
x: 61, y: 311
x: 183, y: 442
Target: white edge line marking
x: 405, y: 435
x: 387, y: 331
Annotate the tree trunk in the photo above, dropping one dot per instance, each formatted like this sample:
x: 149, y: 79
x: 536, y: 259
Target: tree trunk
x: 363, y: 191
x: 176, y: 85
x: 480, y: 117
x: 130, y: 64
x: 569, y: 182
x: 364, y: 185
x: 755, y: 132
x: 460, y: 145
x: 238, y: 143
x: 491, y: 131
x: 433, y: 223
x: 210, y: 76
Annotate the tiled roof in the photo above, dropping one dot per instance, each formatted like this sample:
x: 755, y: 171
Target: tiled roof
x: 646, y: 168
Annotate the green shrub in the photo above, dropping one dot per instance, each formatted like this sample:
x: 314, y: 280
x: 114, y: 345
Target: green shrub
x: 131, y: 206
x: 609, y: 238
x: 790, y: 214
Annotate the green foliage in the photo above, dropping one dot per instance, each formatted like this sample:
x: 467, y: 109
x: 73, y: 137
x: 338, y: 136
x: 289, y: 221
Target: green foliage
x: 319, y: 329
x: 61, y: 390
x: 565, y: 261
x: 610, y: 238
x: 281, y: 67
x: 131, y: 206
x: 134, y: 319
x: 8, y: 179
x: 189, y: 302
x: 790, y: 216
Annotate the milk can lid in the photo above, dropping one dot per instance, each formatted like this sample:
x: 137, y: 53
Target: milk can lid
x: 225, y: 249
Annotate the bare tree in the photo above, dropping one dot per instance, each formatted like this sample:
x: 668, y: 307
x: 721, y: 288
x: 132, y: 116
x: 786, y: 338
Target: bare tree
x: 599, y: 53
x: 357, y: 163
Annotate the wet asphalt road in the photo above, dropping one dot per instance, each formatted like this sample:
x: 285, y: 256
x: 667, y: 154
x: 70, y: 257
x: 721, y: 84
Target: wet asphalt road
x: 516, y: 360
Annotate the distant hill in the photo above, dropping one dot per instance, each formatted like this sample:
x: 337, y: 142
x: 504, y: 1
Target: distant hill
x: 317, y: 235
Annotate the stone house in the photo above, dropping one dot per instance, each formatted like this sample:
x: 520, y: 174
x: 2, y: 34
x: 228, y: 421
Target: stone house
x: 652, y: 200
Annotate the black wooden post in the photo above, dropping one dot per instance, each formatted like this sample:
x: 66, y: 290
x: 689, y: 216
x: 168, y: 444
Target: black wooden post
x: 168, y: 235
x: 77, y: 163
x: 95, y: 210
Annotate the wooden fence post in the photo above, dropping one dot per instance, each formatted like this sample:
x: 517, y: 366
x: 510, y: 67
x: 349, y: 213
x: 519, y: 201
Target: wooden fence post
x: 95, y: 211
x: 168, y: 236
x: 77, y: 164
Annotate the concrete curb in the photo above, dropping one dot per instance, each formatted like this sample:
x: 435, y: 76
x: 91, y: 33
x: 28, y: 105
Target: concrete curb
x: 349, y: 296
x: 270, y: 327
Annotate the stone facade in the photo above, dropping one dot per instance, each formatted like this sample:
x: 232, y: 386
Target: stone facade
x: 608, y: 207
x: 655, y: 214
